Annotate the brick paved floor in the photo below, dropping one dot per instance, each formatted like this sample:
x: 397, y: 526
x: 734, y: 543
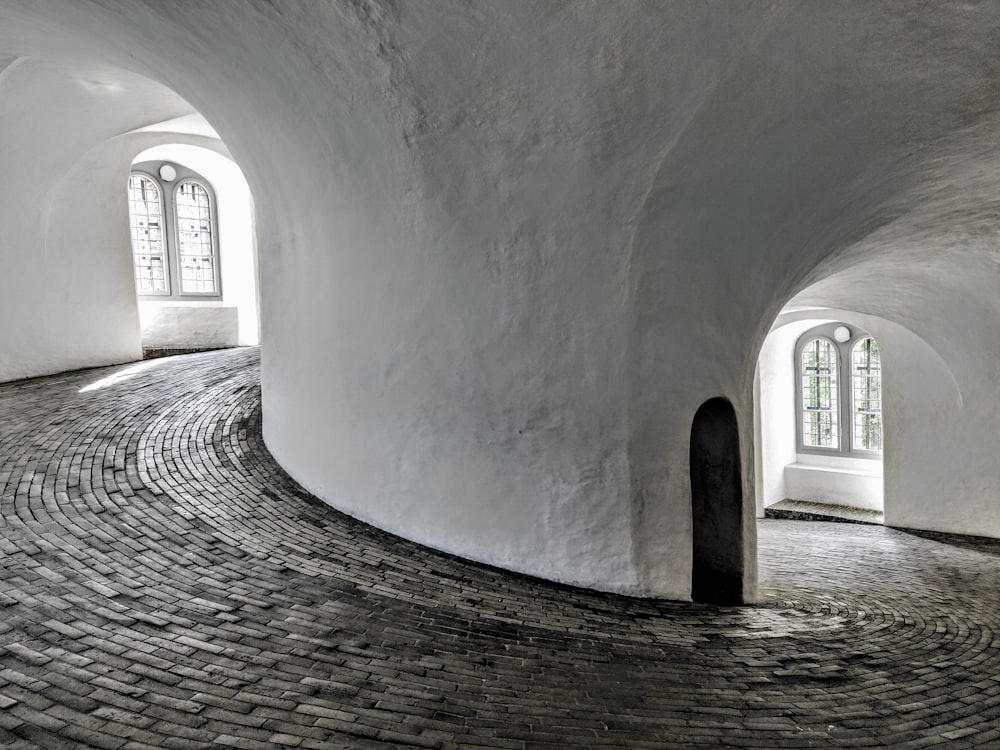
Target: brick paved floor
x: 807, y: 511
x: 164, y: 585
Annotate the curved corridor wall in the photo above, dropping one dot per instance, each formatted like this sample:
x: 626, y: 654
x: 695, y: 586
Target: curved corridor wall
x: 507, y: 250
x: 67, y: 297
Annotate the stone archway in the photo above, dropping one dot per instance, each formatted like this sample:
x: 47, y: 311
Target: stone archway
x: 716, y: 505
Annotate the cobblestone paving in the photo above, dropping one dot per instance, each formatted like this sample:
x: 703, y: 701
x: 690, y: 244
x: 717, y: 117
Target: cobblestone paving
x: 164, y: 585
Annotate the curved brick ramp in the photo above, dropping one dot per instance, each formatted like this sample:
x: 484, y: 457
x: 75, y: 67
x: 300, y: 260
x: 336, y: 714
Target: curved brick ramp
x: 165, y: 585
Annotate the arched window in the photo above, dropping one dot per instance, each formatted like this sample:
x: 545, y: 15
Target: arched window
x: 819, y: 394
x: 174, y: 245
x: 866, y: 392
x: 145, y: 209
x: 195, y: 248
x: 839, y: 392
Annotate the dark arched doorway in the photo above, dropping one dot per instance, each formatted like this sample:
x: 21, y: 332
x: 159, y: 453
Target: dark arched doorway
x: 716, y: 505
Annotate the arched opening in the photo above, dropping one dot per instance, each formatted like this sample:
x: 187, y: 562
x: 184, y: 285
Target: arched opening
x: 716, y: 505
x: 819, y: 424
x: 204, y: 294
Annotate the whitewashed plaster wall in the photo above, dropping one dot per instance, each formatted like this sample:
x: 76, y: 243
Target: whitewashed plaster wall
x: 507, y: 250
x: 67, y: 298
x: 853, y: 482
x: 940, y: 474
x: 175, y: 325
x: 774, y: 390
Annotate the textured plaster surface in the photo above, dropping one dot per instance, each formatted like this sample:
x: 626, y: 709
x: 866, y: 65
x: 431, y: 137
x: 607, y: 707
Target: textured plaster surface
x: 176, y: 325
x: 67, y: 298
x: 70, y: 132
x: 851, y: 488
x: 775, y: 443
x: 507, y: 250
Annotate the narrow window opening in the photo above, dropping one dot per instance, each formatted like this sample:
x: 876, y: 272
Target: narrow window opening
x: 146, y: 222
x: 195, y: 247
x: 819, y: 394
x: 866, y: 380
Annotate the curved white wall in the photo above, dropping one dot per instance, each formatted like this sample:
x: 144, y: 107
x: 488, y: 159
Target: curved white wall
x: 67, y: 298
x: 775, y: 435
x: 507, y: 250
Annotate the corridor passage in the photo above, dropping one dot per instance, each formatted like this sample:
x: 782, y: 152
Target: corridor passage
x: 165, y: 585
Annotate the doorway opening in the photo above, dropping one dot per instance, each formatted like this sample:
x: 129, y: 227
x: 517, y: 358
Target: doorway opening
x: 819, y: 419
x: 716, y: 505
x: 194, y: 249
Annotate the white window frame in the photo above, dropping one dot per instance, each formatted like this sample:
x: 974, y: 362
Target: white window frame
x: 170, y: 230
x: 845, y: 393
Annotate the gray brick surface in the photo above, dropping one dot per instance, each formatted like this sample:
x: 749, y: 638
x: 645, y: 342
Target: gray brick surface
x: 165, y: 585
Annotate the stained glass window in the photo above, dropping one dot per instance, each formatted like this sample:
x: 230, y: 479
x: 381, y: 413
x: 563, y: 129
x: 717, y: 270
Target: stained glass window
x: 174, y: 247
x: 146, y: 221
x: 196, y: 256
x: 819, y: 394
x: 866, y: 395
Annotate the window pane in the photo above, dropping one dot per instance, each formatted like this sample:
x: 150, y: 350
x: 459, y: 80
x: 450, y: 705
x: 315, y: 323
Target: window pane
x: 866, y: 395
x: 145, y: 219
x: 819, y: 394
x: 194, y: 239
